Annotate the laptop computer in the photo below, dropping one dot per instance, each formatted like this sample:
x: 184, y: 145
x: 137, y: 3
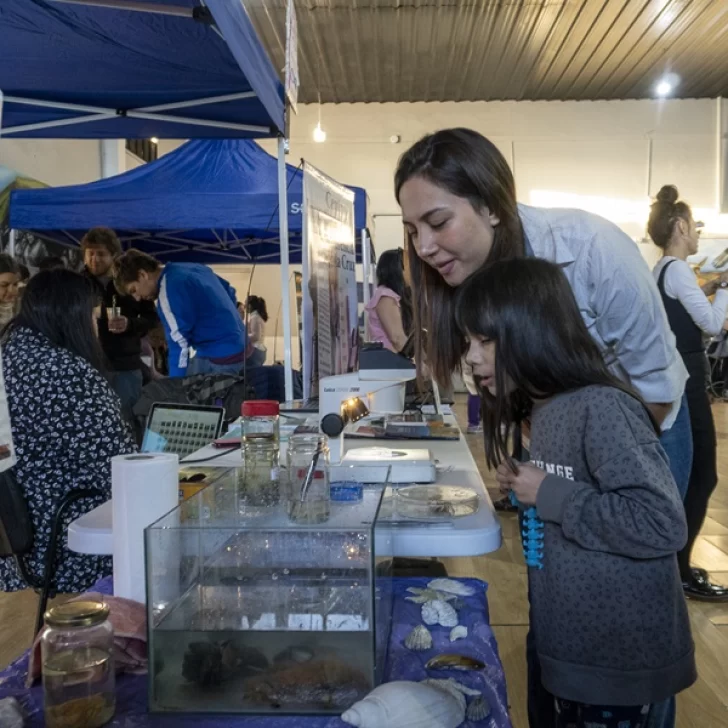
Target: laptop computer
x: 181, y: 428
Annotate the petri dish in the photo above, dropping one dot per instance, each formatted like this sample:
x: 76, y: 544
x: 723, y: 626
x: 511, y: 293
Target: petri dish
x: 435, y: 502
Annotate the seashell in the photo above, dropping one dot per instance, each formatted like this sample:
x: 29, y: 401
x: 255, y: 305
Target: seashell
x: 451, y: 587
x: 418, y: 639
x: 478, y: 709
x: 402, y: 704
x: 439, y: 612
x: 448, y: 687
x: 453, y: 662
x: 452, y: 684
x: 458, y: 632
x: 427, y: 595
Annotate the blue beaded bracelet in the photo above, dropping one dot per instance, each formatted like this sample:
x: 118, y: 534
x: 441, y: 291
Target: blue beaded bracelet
x: 533, y: 535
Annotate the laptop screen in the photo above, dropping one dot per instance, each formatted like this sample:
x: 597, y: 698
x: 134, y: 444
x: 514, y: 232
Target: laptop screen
x: 181, y: 429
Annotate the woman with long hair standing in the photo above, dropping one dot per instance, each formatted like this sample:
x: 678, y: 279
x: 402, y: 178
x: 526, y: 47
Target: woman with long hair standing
x: 65, y: 418
x: 692, y: 316
x: 390, y: 307
x: 459, y: 209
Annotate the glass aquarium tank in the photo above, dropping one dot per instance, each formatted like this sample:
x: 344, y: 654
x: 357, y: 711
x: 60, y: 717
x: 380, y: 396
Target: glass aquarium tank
x: 259, y: 614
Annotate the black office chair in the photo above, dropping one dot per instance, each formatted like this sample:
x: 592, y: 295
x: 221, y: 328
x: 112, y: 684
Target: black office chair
x: 17, y: 536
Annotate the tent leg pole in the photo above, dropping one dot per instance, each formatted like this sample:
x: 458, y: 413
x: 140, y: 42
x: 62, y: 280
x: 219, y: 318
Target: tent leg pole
x: 285, y: 288
x: 11, y: 243
x: 366, y: 265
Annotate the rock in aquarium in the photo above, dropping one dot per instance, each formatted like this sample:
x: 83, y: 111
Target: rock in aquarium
x: 212, y: 663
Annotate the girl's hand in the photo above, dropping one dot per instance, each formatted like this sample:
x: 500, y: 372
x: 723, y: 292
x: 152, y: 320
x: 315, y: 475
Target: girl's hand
x: 504, y: 476
x: 526, y: 483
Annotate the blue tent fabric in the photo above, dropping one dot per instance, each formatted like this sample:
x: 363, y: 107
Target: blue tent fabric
x: 210, y: 201
x: 123, y: 60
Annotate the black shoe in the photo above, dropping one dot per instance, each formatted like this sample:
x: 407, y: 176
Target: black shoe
x: 504, y: 505
x: 700, y: 587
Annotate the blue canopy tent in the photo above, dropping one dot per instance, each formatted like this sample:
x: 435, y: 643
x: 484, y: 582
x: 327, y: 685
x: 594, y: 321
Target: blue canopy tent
x: 121, y: 69
x: 210, y: 201
x: 99, y: 69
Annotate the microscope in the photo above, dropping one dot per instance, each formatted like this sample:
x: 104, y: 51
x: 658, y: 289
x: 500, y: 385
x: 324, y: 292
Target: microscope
x: 377, y: 387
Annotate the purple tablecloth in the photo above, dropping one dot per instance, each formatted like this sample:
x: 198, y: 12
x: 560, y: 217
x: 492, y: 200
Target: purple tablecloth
x: 403, y: 664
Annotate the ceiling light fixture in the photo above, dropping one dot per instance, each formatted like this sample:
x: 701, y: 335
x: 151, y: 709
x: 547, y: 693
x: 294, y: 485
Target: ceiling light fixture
x: 319, y: 135
x: 666, y: 85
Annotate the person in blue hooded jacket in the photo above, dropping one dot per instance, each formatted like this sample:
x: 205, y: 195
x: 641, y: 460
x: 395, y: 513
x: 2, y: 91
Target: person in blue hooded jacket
x: 198, y: 310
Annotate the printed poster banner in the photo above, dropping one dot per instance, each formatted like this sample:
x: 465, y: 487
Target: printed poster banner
x: 291, y: 74
x: 330, y: 320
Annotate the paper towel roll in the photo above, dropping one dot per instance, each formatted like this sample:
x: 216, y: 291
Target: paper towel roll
x: 143, y: 488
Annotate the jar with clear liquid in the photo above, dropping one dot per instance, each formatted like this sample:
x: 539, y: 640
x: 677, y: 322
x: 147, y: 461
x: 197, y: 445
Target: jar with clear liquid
x: 315, y: 506
x: 77, y: 657
x: 258, y: 479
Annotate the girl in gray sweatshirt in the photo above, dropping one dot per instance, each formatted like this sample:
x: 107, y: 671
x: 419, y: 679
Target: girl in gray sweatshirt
x: 604, y: 519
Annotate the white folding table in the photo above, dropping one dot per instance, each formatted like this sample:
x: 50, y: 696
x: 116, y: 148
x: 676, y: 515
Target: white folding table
x: 470, y: 536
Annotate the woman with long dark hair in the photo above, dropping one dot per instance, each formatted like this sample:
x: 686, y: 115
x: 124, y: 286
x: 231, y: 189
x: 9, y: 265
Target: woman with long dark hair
x: 611, y: 625
x: 460, y: 214
x: 257, y: 319
x: 692, y: 316
x: 390, y: 307
x: 65, y: 418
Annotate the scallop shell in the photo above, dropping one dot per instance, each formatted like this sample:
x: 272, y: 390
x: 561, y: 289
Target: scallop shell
x: 402, y: 704
x: 478, y: 709
x: 459, y: 632
x: 451, y: 587
x: 439, y: 612
x: 418, y: 639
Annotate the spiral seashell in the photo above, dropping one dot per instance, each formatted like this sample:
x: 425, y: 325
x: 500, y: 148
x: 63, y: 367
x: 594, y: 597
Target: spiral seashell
x: 403, y: 704
x: 458, y: 633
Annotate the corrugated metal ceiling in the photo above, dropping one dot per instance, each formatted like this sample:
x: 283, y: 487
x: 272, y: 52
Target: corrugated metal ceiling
x: 471, y: 50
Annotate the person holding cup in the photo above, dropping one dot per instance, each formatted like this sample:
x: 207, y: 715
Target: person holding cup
x: 123, y: 321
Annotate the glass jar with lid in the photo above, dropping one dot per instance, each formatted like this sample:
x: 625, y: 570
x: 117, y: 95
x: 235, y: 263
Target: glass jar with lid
x: 314, y: 505
x: 77, y: 657
x: 258, y: 481
x: 260, y: 423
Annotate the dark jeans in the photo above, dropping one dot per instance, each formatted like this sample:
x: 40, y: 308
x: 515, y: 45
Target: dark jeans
x: 200, y: 365
x: 128, y: 386
x: 474, y: 404
x: 677, y: 443
x: 704, y: 472
x: 578, y: 715
x: 256, y: 359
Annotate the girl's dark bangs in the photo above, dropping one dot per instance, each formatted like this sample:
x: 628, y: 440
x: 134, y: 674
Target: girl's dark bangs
x: 473, y: 312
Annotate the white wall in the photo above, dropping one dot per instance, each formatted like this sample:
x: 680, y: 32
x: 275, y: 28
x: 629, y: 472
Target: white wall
x: 590, y: 154
x: 53, y: 161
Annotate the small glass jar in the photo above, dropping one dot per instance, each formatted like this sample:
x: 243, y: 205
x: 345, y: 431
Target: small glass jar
x: 260, y: 423
x: 77, y: 655
x: 258, y: 481
x: 315, y: 507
